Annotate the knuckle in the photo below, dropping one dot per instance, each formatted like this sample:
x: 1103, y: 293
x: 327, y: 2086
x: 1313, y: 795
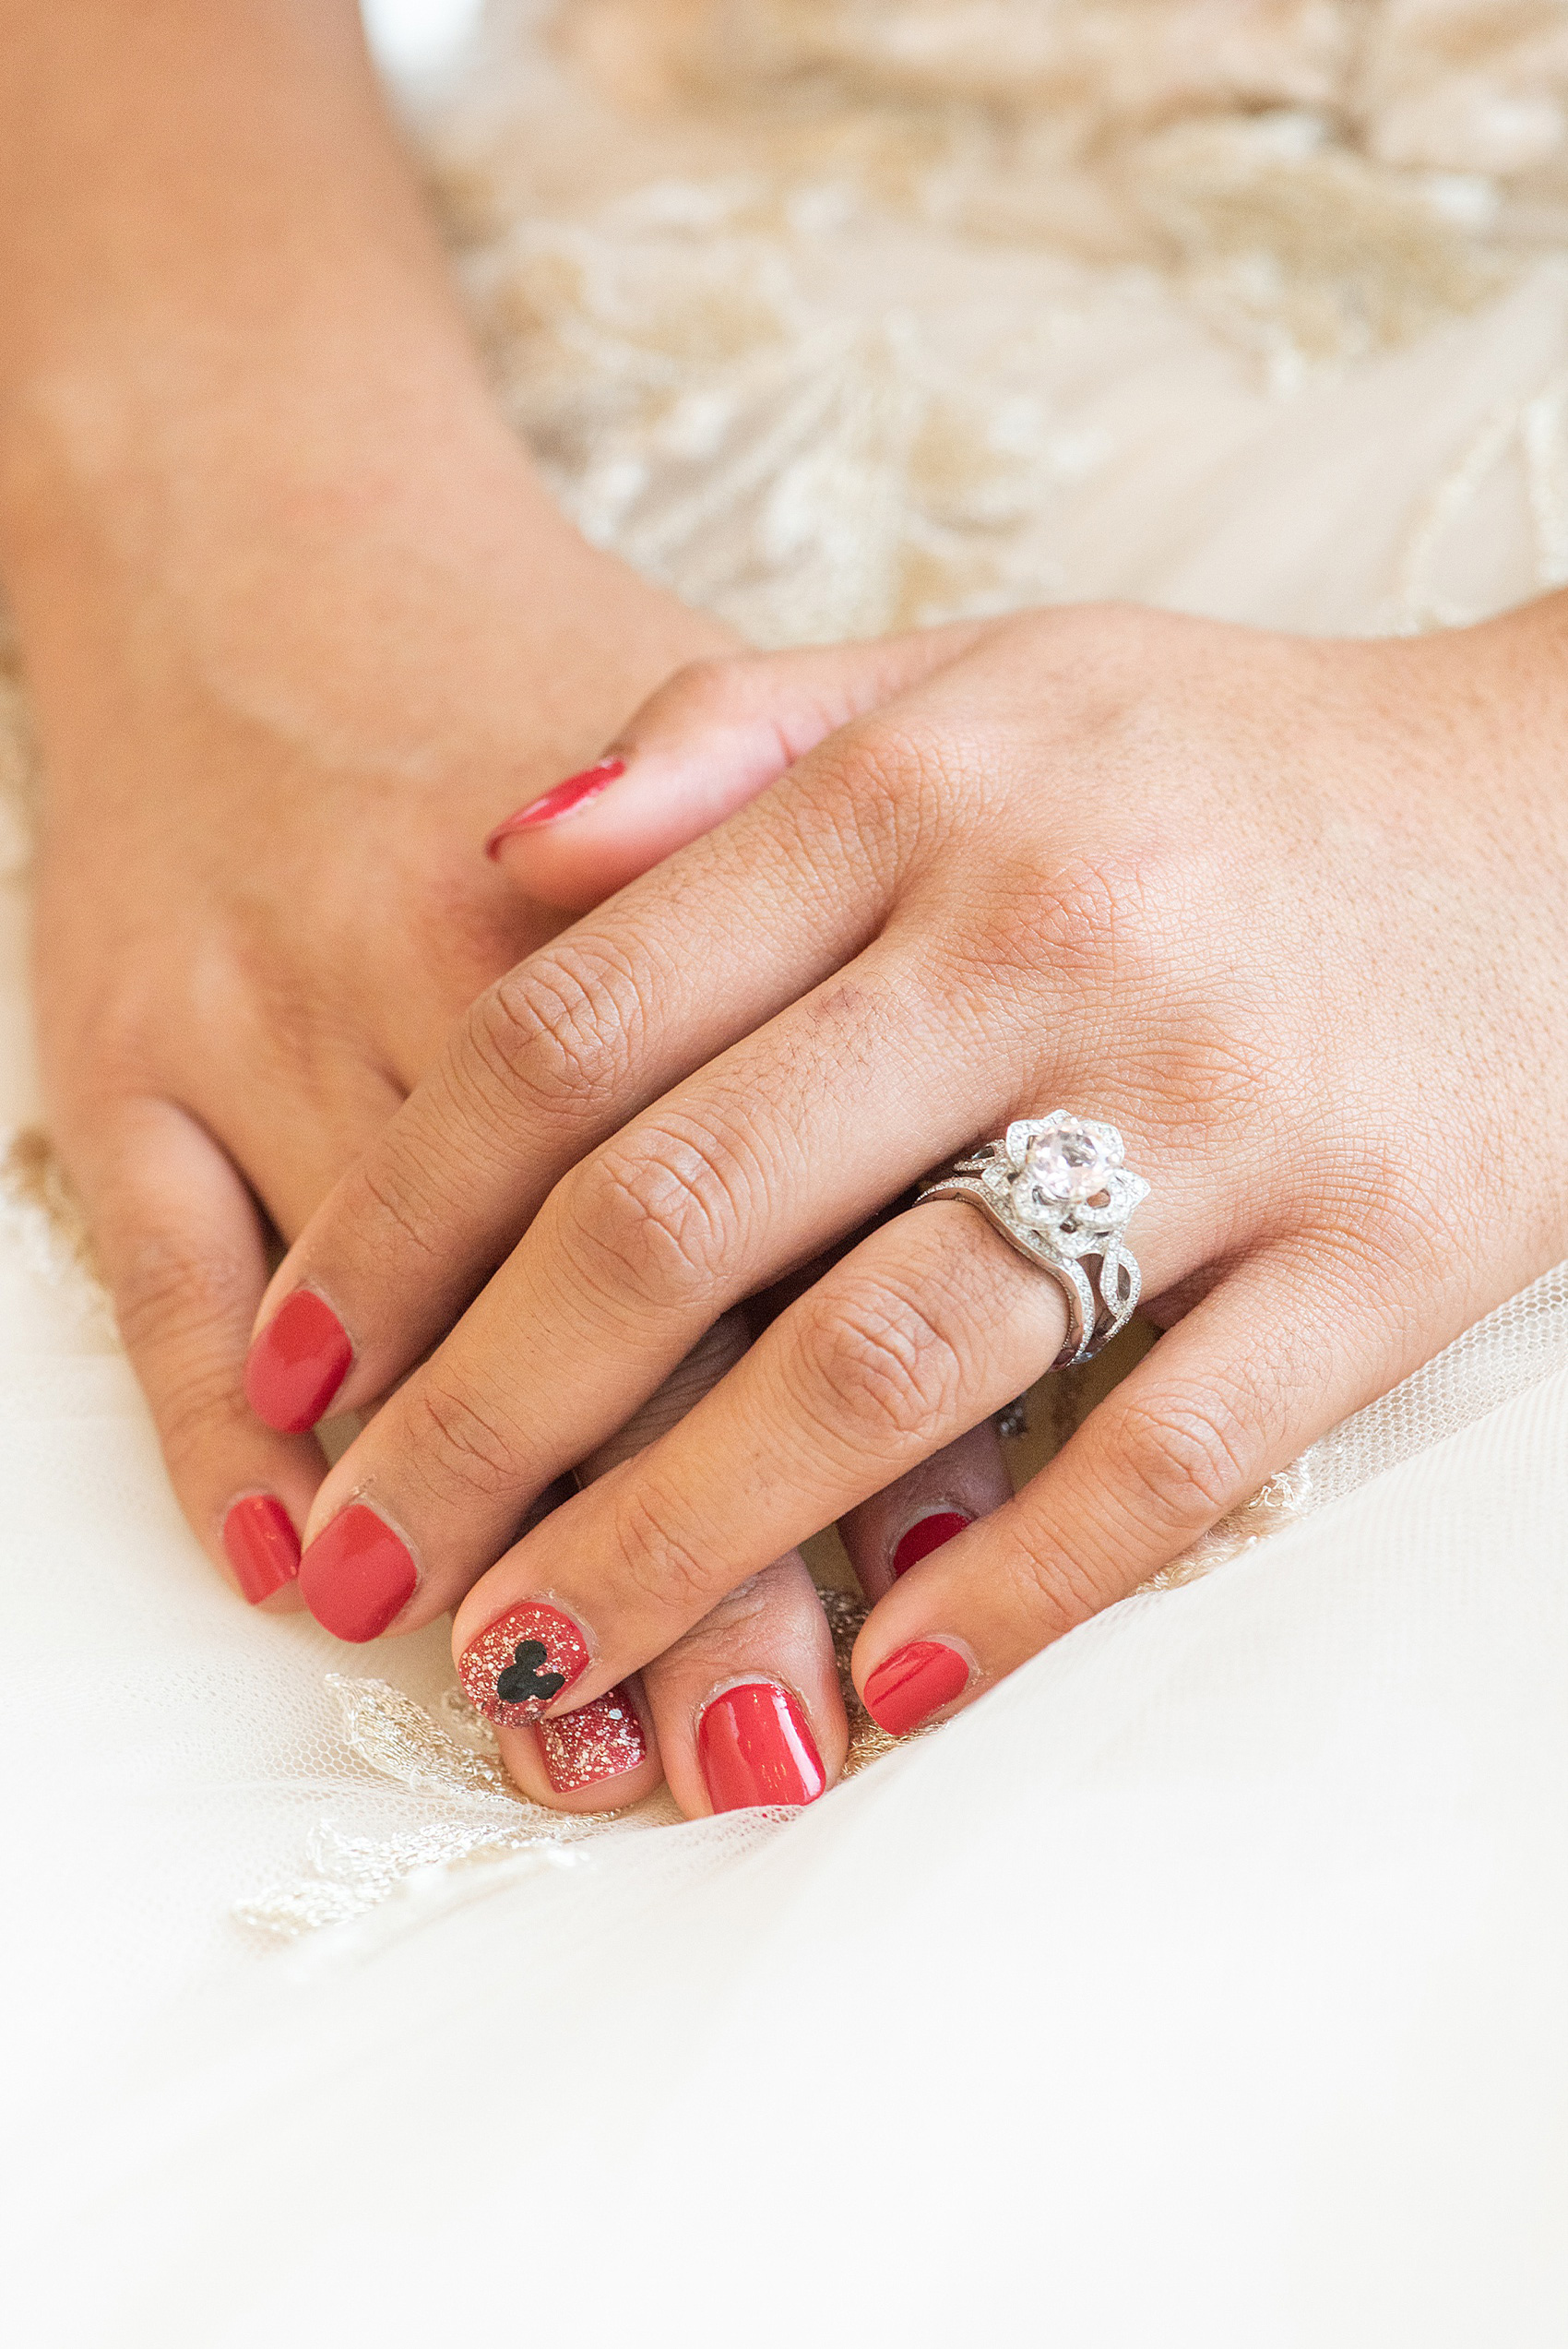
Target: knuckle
x: 1099, y: 925
x: 184, y: 1318
x: 170, y: 1294
x: 1092, y: 925
x: 459, y: 1442
x: 1183, y: 1459
x: 658, y: 1553
x: 393, y: 1190
x: 901, y: 763
x: 885, y: 789
x: 1052, y: 1586
x: 742, y: 1617
x: 192, y: 1407
x: 656, y: 1216
x: 1225, y: 1068
x: 771, y: 1619
x: 703, y: 692
x: 880, y: 1366
x: 555, y: 1036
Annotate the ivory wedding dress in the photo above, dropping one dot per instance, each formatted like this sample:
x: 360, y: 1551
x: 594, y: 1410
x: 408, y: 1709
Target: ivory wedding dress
x: 1204, y: 1984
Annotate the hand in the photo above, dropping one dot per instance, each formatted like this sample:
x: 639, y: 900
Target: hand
x: 1288, y: 914
x: 300, y: 623
x: 261, y: 900
x: 250, y: 947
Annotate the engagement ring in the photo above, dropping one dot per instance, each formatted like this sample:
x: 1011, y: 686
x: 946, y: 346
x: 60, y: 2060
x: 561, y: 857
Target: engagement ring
x: 1056, y: 1189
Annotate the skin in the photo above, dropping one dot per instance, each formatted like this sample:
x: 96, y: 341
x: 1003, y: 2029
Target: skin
x: 1289, y: 912
x: 300, y: 625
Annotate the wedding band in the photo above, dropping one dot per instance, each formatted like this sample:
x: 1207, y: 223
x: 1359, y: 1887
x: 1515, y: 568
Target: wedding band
x: 1057, y: 1190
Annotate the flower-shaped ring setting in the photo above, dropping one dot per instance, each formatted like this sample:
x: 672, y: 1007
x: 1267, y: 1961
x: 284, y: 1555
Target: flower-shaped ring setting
x: 1057, y: 1189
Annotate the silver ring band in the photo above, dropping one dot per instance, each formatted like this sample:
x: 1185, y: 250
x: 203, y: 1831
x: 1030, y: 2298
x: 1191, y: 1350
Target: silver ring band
x: 1057, y: 1190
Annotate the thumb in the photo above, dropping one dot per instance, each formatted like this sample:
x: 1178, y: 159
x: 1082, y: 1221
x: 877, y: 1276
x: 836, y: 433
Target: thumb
x: 710, y: 739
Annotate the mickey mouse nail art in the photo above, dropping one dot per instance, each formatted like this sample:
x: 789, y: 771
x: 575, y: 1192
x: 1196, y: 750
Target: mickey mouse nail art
x: 522, y: 1663
x: 524, y: 1682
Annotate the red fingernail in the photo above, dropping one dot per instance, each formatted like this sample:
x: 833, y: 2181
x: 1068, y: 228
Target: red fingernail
x: 298, y: 1363
x: 522, y: 1663
x: 754, y: 1745
x: 911, y: 1685
x: 261, y: 1545
x: 927, y: 1533
x: 603, y: 1739
x: 564, y: 800
x: 357, y: 1576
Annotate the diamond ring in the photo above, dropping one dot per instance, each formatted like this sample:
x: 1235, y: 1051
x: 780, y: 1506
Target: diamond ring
x: 1056, y: 1189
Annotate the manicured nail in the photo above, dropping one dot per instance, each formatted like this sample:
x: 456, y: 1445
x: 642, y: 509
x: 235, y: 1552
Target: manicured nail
x: 357, y: 1576
x: 298, y: 1363
x: 564, y: 800
x: 603, y: 1739
x: 522, y: 1663
x: 927, y: 1533
x: 912, y: 1683
x: 754, y: 1745
x: 261, y: 1545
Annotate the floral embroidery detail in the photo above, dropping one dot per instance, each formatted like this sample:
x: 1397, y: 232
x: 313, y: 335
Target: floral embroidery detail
x: 480, y: 1813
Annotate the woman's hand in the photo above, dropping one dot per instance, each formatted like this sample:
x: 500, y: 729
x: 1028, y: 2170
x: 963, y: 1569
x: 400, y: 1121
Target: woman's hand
x: 300, y: 623
x: 250, y: 946
x: 1290, y: 914
x: 261, y: 900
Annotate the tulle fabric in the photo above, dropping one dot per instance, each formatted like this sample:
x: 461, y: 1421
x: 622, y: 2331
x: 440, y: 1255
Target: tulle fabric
x: 1200, y: 1985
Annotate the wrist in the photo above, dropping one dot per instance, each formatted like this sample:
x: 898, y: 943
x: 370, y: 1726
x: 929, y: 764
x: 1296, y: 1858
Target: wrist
x: 129, y: 443
x: 181, y: 501
x: 223, y: 298
x: 360, y: 563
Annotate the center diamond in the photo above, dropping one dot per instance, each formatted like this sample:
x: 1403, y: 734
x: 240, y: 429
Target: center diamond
x: 1061, y: 1170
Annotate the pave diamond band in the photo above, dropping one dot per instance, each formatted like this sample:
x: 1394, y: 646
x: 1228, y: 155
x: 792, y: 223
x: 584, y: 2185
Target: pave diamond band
x: 1057, y: 1190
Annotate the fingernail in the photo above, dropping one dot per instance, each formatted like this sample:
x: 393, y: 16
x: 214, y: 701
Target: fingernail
x: 564, y: 800
x: 356, y: 1577
x: 522, y: 1663
x: 603, y: 1739
x: 912, y: 1683
x: 261, y: 1545
x: 297, y: 1364
x: 755, y: 1746
x: 927, y: 1533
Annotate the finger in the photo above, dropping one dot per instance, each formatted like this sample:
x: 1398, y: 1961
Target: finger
x: 580, y: 1037
x: 925, y: 1507
x: 182, y: 1253
x: 718, y: 733
x: 747, y: 1704
x: 550, y: 1060
x: 743, y: 1710
x: 293, y: 1159
x: 695, y: 1207
x: 600, y: 1757
x: 606, y: 1754
x: 1232, y: 1393
x: 921, y: 1333
x: 746, y: 1707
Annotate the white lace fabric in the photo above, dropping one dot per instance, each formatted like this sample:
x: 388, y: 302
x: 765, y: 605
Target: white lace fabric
x: 1203, y: 1983
x: 841, y: 318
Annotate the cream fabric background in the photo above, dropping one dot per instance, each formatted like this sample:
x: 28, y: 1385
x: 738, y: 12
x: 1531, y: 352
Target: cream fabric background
x: 1204, y: 1985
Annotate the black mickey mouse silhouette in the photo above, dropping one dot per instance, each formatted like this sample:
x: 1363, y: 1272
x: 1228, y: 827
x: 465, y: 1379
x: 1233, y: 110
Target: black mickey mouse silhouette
x: 522, y: 1683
